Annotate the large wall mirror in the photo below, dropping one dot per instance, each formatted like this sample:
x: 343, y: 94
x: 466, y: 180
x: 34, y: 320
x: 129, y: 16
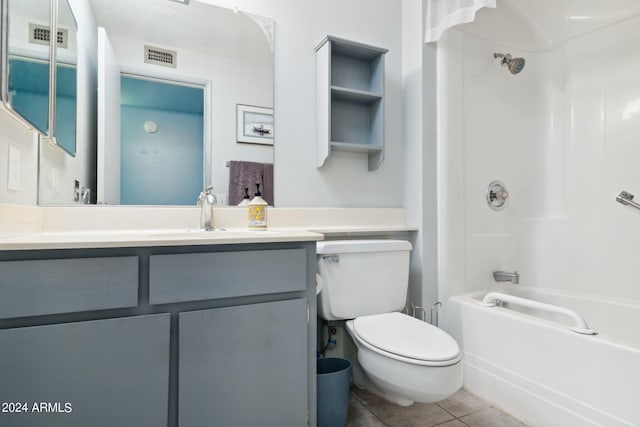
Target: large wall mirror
x: 173, y: 75
x: 173, y: 80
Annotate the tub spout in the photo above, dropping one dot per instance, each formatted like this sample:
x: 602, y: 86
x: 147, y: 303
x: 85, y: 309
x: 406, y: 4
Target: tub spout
x: 505, y: 276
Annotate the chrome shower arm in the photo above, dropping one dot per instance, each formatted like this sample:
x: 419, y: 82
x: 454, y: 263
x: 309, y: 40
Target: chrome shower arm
x: 505, y: 58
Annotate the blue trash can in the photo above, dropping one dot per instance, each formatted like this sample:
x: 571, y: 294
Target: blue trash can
x: 333, y: 379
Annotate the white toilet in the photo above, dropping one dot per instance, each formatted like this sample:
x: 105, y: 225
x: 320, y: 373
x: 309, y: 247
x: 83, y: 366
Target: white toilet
x: 401, y: 358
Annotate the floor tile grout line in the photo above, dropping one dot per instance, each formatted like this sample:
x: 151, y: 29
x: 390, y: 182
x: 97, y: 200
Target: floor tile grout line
x: 431, y: 425
x: 366, y: 407
x: 447, y: 411
x: 379, y: 419
x: 369, y: 409
x: 377, y: 416
x: 464, y: 415
x: 354, y: 394
x: 374, y: 415
x: 445, y: 422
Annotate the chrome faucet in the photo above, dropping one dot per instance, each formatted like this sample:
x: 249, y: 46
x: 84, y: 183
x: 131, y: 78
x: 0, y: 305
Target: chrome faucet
x: 206, y: 201
x: 506, y: 276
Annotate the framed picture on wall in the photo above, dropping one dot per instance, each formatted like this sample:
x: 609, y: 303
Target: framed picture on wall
x: 254, y: 124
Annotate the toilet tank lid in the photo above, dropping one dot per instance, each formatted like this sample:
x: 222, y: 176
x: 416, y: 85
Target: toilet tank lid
x: 356, y: 246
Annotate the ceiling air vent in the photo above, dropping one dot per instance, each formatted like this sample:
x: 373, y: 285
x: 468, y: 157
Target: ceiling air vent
x: 159, y: 56
x: 40, y: 34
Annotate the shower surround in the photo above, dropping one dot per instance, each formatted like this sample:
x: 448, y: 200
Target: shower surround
x: 563, y: 135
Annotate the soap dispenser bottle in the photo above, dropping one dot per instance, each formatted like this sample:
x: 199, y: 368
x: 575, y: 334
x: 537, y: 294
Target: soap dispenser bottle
x: 257, y: 211
x: 246, y: 198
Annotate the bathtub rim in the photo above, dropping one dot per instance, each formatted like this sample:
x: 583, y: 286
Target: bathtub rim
x: 475, y: 299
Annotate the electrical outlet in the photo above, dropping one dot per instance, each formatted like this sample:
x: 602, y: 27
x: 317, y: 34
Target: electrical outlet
x: 221, y: 199
x: 13, y: 169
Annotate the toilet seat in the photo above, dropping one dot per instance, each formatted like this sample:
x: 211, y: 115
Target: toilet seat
x: 406, y: 338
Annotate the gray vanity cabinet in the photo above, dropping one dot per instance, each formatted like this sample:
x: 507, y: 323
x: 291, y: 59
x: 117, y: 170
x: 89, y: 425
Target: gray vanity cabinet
x: 111, y: 372
x: 181, y: 336
x: 244, y: 366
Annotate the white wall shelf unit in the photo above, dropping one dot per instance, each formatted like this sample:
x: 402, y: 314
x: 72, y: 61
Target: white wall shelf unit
x: 350, y: 96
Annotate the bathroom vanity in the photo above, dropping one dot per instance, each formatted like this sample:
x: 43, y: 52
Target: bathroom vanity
x: 158, y: 332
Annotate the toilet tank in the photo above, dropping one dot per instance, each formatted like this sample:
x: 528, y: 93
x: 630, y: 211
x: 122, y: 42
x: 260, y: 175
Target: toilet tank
x: 362, y: 277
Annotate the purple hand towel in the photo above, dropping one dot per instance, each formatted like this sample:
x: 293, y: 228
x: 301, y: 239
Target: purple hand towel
x: 246, y: 175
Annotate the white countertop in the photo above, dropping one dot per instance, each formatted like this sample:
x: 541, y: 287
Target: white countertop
x: 32, y: 228
x: 160, y: 237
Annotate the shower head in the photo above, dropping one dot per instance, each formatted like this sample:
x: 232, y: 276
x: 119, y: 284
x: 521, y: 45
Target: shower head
x: 515, y: 65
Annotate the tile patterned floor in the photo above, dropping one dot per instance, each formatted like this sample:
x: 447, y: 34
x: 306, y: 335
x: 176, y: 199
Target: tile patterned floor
x: 460, y: 410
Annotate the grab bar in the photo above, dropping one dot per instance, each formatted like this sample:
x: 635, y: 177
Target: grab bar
x: 581, y: 325
x: 626, y: 198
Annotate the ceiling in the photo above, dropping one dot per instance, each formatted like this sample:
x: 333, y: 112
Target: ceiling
x: 535, y: 25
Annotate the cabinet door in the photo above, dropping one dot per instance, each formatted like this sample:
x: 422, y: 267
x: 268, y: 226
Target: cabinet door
x: 244, y: 366
x: 107, y: 373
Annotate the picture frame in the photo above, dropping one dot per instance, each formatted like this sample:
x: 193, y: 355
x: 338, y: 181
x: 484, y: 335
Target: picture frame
x: 254, y: 125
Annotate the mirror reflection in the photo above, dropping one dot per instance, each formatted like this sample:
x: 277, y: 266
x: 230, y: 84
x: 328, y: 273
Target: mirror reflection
x: 155, y: 117
x: 66, y: 79
x: 169, y: 79
x: 27, y: 76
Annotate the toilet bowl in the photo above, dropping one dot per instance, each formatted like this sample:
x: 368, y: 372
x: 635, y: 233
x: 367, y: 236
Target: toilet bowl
x: 399, y: 357
x: 406, y: 360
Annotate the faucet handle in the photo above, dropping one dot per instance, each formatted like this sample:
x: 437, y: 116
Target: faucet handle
x: 207, y: 194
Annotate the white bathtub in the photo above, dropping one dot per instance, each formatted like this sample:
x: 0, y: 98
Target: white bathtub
x: 536, y: 368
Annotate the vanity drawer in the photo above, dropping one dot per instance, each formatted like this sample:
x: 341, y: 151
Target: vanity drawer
x: 192, y: 277
x: 38, y: 287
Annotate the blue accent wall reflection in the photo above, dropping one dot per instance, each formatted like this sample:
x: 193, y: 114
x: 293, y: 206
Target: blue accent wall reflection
x: 29, y: 93
x: 165, y: 167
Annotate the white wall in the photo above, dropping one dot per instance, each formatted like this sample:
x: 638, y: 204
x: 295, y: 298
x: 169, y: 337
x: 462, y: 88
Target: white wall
x: 562, y: 135
x: 419, y: 92
x: 25, y: 142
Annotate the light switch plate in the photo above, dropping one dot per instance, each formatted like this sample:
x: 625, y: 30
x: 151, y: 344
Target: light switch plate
x: 13, y: 168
